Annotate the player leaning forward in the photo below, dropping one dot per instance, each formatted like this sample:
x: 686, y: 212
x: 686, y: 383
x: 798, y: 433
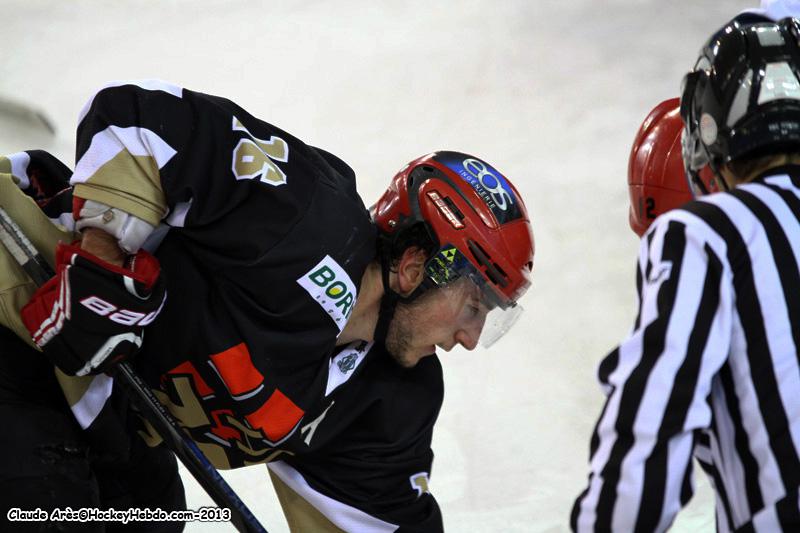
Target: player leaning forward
x: 713, y: 356
x: 275, y: 294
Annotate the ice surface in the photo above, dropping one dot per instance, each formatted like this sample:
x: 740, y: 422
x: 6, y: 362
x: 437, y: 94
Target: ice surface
x: 550, y: 92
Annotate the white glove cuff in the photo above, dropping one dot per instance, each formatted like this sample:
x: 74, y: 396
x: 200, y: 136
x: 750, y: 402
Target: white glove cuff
x: 130, y: 231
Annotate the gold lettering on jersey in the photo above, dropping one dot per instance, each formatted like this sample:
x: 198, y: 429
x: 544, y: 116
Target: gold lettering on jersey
x: 309, y: 429
x: 255, y: 158
x: 225, y: 440
x: 148, y: 433
x: 215, y: 454
x: 419, y: 482
x: 189, y: 411
x: 271, y: 457
x: 251, y: 441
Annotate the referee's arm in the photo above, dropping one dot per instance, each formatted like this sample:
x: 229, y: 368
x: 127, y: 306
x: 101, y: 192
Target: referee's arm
x: 658, y: 381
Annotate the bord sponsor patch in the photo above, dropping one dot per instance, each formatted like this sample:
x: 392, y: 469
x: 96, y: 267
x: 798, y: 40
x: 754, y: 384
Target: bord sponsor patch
x: 332, y: 288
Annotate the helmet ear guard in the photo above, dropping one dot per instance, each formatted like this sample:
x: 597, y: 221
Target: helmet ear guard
x: 700, y: 132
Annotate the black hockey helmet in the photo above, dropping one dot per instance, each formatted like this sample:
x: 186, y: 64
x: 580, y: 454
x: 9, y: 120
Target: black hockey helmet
x: 743, y: 96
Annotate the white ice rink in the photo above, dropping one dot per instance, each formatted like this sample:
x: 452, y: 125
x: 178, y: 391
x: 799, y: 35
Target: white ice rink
x: 550, y: 92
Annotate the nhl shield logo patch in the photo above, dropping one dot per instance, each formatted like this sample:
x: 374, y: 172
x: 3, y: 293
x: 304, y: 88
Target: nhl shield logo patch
x: 347, y: 363
x: 342, y: 365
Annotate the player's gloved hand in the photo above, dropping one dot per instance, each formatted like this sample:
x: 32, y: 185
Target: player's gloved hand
x: 91, y: 314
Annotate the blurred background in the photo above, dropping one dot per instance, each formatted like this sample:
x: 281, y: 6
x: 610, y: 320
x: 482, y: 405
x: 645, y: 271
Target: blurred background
x: 550, y: 92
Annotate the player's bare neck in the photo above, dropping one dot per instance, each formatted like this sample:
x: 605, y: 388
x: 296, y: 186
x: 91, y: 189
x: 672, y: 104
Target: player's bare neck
x: 361, y: 325
x: 737, y: 172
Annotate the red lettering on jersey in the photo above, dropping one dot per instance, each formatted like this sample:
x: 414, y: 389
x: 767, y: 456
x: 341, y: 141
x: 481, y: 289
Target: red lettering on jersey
x: 199, y: 383
x: 277, y: 417
x: 220, y: 429
x: 236, y: 369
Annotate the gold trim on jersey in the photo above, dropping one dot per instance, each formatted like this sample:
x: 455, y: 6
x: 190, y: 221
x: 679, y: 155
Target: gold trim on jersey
x: 74, y: 387
x: 128, y: 182
x: 300, y: 515
x: 16, y: 288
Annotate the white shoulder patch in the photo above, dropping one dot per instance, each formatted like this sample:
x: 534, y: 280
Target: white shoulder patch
x: 19, y: 168
x: 345, y: 363
x: 332, y: 288
x: 150, y: 85
x: 111, y: 141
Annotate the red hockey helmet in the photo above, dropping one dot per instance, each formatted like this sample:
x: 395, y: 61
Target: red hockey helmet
x: 656, y: 175
x: 477, y: 222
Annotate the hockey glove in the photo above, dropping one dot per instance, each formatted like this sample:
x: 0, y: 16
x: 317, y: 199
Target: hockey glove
x: 91, y: 314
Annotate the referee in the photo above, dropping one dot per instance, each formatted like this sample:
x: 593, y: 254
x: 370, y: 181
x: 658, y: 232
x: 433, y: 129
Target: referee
x: 714, y: 353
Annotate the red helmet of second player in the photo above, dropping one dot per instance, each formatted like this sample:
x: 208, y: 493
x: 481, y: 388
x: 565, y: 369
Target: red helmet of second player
x: 478, y: 221
x: 656, y: 175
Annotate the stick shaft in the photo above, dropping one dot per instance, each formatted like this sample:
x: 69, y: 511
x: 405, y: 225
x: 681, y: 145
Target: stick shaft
x: 25, y: 114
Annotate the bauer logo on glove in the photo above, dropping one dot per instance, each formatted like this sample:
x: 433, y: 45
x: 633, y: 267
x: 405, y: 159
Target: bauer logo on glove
x: 91, y: 314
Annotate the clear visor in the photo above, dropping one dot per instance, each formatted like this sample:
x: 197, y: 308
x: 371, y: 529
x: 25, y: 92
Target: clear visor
x: 497, y: 324
x: 483, y: 311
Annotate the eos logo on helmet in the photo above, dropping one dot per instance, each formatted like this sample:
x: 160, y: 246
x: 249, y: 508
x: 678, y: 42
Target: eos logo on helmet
x: 490, y: 182
x: 490, y: 185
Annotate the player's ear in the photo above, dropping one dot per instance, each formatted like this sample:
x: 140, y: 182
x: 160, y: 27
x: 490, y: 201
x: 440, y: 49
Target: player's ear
x: 410, y: 269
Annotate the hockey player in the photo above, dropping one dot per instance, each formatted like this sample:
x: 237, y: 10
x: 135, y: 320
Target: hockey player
x: 341, y: 485
x: 278, y: 293
x: 713, y: 352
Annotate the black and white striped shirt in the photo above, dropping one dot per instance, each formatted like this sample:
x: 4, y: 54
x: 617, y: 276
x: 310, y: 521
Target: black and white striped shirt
x: 710, y: 369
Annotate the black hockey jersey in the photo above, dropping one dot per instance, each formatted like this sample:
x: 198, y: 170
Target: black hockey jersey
x: 267, y: 241
x: 369, y: 454
x: 361, y: 455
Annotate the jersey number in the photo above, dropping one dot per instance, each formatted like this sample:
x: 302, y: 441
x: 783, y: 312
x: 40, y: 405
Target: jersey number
x: 255, y: 158
x: 419, y: 482
x: 650, y: 204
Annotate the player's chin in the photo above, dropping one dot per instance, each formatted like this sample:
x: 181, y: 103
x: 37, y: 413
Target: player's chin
x: 410, y: 358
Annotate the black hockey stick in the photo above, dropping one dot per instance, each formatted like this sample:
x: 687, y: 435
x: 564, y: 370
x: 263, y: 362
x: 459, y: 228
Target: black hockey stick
x: 26, y: 115
x: 190, y: 455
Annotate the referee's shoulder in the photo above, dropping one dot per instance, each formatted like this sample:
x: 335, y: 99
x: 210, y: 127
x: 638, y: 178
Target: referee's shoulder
x: 702, y: 224
x: 708, y: 209
x: 698, y: 216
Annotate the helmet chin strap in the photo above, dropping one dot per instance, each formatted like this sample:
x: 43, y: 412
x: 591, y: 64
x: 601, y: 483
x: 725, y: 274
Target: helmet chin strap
x: 698, y: 183
x: 390, y: 300
x: 694, y: 176
x: 715, y: 169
